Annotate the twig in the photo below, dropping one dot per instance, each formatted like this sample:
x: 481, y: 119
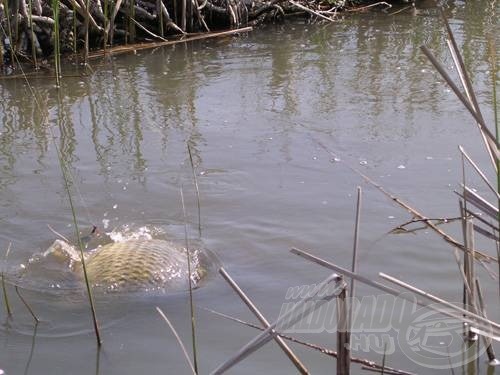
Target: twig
x: 387, y: 6
x: 147, y: 31
x: 439, y: 221
x: 141, y: 46
x: 308, y: 10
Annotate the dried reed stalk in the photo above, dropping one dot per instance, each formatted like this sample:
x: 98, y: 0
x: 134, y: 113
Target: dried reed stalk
x: 300, y: 311
x: 141, y: 46
x: 343, y: 334
x: 326, y: 351
x: 489, y: 348
x: 478, y: 254
x: 290, y: 354
x: 458, y: 313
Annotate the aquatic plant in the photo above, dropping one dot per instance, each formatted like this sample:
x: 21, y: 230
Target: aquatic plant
x: 4, y: 287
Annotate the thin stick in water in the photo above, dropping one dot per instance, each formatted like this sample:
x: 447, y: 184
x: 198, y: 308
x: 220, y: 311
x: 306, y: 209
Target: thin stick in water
x: 26, y: 304
x: 343, y: 334
x: 458, y: 313
x: 299, y: 311
x: 489, y: 348
x: 291, y: 355
x: 331, y: 353
x: 356, y: 241
x: 162, y: 314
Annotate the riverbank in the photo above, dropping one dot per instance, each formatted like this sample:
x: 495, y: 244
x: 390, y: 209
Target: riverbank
x: 33, y: 30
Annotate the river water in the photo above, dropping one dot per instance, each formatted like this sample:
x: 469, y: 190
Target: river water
x: 258, y: 111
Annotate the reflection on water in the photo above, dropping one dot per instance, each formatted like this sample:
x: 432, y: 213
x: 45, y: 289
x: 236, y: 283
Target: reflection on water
x: 372, y: 54
x: 248, y: 107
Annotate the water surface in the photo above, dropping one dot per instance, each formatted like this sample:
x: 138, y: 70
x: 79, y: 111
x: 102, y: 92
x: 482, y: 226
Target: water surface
x: 253, y: 109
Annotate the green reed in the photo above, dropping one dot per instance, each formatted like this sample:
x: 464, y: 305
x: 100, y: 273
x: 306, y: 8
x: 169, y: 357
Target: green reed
x: 9, y: 27
x: 66, y: 179
x: 190, y: 283
x: 131, y: 24
x: 4, y: 287
x: 73, y: 8
x: 195, y: 181
x: 106, y: 24
x: 57, y: 45
x: 160, y: 17
x: 86, y: 26
x: 33, y: 36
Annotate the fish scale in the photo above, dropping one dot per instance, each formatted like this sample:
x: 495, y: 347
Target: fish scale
x: 137, y: 265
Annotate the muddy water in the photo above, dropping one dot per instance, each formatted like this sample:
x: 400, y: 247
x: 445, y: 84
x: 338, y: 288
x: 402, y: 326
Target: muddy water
x: 254, y: 110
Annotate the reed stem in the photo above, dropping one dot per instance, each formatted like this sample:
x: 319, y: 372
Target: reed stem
x: 86, y: 26
x: 26, y: 304
x: 279, y: 340
x: 33, y: 37
x: 190, y: 283
x: 57, y: 51
x: 4, y: 287
x: 80, y: 247
x: 159, y: 11
x: 343, y: 334
x: 9, y: 29
x: 195, y: 181
x: 181, y: 344
x: 356, y: 241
